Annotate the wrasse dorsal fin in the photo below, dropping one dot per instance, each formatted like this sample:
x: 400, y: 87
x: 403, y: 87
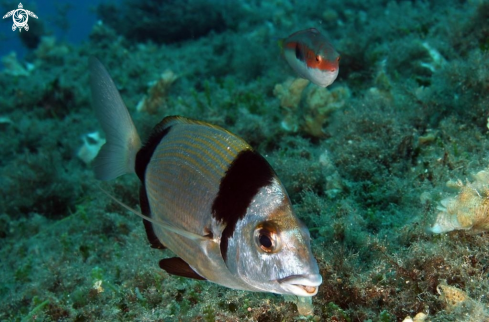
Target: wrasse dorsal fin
x: 163, y: 225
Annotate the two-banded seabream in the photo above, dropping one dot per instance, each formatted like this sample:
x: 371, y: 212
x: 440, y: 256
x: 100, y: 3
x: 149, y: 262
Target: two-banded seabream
x: 208, y: 197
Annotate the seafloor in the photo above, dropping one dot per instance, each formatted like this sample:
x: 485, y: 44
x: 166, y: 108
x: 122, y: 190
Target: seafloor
x: 365, y: 161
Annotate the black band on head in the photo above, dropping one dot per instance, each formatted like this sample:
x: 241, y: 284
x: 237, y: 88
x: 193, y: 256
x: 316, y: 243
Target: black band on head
x: 246, y: 175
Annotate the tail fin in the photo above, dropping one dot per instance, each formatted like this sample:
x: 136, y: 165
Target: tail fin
x: 118, y: 155
x: 280, y: 43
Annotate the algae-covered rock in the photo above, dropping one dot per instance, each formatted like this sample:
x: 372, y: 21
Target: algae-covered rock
x: 320, y: 103
x: 163, y: 21
x: 308, y: 109
x: 157, y: 93
x: 13, y: 67
x: 290, y: 93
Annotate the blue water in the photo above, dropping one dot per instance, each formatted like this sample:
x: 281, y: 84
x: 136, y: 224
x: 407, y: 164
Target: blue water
x: 80, y: 16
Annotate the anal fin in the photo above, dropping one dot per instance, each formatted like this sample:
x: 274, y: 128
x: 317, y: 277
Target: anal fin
x: 177, y: 266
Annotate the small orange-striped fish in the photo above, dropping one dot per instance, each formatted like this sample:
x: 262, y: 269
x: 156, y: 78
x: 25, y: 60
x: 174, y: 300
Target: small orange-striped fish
x: 311, y: 56
x: 209, y: 197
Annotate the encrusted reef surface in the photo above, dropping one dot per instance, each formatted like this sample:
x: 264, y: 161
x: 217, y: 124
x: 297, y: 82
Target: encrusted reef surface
x: 365, y: 161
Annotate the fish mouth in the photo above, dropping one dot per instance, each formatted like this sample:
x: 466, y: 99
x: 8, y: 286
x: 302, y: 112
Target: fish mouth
x: 302, y: 285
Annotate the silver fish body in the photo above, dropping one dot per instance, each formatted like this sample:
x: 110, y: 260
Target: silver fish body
x: 208, y: 197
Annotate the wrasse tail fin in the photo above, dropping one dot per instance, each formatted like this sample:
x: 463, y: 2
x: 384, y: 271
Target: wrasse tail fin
x: 280, y: 43
x: 161, y: 224
x: 177, y: 266
x: 117, y: 156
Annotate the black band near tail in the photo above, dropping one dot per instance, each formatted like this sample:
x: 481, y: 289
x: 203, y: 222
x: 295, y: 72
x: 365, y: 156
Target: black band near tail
x: 146, y: 210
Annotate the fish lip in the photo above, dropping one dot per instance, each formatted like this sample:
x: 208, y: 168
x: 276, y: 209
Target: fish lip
x: 302, y: 285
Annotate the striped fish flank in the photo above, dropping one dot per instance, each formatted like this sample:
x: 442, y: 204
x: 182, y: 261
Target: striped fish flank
x: 191, y: 154
x: 208, y: 197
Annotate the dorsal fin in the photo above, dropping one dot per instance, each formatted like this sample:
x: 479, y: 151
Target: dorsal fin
x: 177, y: 266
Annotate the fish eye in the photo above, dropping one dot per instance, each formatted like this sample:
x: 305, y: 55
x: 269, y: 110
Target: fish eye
x: 318, y: 58
x: 266, y: 238
x: 265, y: 241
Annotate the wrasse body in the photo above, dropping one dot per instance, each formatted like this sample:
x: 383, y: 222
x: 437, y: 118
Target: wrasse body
x: 209, y: 197
x: 311, y: 56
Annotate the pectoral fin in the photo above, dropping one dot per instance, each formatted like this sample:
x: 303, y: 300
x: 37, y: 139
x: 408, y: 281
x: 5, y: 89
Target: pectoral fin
x: 177, y: 266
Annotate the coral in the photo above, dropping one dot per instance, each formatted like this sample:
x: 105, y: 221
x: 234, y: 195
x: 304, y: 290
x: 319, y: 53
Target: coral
x: 469, y: 210
x: 13, y: 67
x: 290, y: 93
x: 103, y: 35
x: 457, y: 301
x: 157, y: 92
x: 318, y: 105
x: 452, y: 297
x: 50, y: 51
